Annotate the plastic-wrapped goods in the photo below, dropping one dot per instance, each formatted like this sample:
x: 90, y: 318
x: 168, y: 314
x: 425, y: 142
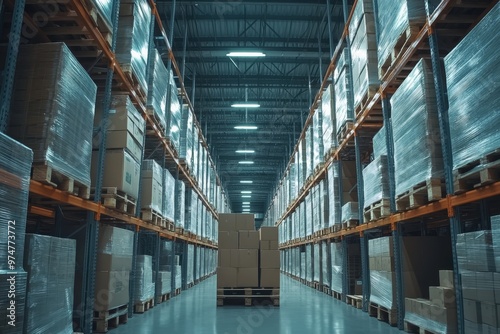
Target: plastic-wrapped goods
x: 495, y: 236
x: 336, y: 259
x: 293, y: 182
x: 350, y: 211
x: 417, y: 146
x: 430, y: 317
x: 196, y: 148
x: 174, y: 118
x: 309, y: 152
x: 190, y: 264
x: 169, y: 198
x: 12, y: 316
x: 328, y: 113
x: 326, y: 264
x: 308, y: 221
x: 473, y: 92
x: 303, y: 219
x: 363, y: 51
x: 152, y: 186
x: 317, y: 137
x: 309, y: 263
x: 382, y: 278
x: 334, y: 205
x: 54, y: 102
x: 476, y: 250
x: 164, y: 282
x: 379, y: 143
x: 178, y: 277
x: 180, y: 193
x: 157, y: 94
x: 50, y: 264
x: 125, y: 126
x: 317, y: 263
x: 132, y: 40
x: 343, y: 105
x: 15, y: 169
x: 144, y: 287
x: 393, y: 20
x: 303, y: 265
x: 376, y: 181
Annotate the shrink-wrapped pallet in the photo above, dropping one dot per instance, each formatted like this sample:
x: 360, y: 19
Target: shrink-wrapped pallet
x: 157, y: 94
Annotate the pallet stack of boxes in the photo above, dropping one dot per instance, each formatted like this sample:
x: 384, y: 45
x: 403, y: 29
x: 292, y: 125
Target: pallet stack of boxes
x: 143, y: 282
x: 152, y: 191
x: 15, y: 169
x: 247, y: 258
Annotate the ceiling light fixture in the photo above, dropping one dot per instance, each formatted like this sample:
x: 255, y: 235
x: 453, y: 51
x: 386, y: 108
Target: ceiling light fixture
x: 245, y: 151
x: 246, y: 196
x: 246, y: 210
x: 245, y: 105
x: 246, y: 192
x: 245, y: 54
x: 245, y: 203
x: 245, y: 127
x: 246, y: 162
x: 247, y: 182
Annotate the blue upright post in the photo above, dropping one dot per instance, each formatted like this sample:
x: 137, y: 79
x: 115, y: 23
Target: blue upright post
x: 398, y: 267
x: 365, y: 271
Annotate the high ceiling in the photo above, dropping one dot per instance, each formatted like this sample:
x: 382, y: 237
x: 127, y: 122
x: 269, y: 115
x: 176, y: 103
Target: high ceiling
x: 295, y: 37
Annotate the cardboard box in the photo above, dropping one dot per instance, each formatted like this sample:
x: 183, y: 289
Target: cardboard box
x: 227, y: 222
x: 496, y: 287
x: 485, y: 292
x: 472, y: 310
x: 358, y: 288
x: 441, y: 296
x: 248, y: 277
x: 248, y: 240
x: 124, y: 139
x: 227, y: 277
x: 270, y: 259
x: 111, y: 289
x: 269, y: 233
x: 228, y: 240
x: 269, y: 278
x: 224, y: 258
x: 245, y: 222
x: 120, y: 171
x: 248, y: 258
x: 108, y: 262
x: 489, y: 314
x: 265, y: 245
x: 151, y: 194
x: 446, y: 278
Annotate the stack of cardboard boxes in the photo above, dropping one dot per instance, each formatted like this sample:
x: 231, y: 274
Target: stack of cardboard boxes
x: 247, y: 258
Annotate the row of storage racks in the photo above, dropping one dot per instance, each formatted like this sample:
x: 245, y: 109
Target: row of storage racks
x: 109, y: 195
x: 390, y: 199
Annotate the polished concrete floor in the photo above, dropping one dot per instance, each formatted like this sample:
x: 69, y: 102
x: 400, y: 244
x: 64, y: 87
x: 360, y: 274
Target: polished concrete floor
x: 303, y: 310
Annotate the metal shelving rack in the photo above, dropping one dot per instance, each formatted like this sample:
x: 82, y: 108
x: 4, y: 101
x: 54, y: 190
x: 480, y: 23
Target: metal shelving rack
x: 94, y: 211
x: 380, y: 103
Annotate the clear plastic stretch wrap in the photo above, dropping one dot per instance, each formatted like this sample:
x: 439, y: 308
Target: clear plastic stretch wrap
x: 334, y: 207
x: 343, y: 88
x: 164, y: 283
x: 180, y: 202
x: 393, y: 18
x: 105, y: 8
x: 50, y: 264
x: 379, y: 143
x: 190, y: 264
x: 15, y: 170
x: 12, y: 317
x: 309, y: 152
x: 476, y: 250
x: 157, y: 94
x: 196, y: 146
x: 293, y: 181
x: 363, y: 51
x: 328, y: 110
x: 376, y: 181
x: 317, y: 127
x: 178, y: 277
x: 152, y: 186
x: 474, y: 93
x: 54, y: 102
x: 316, y: 209
x: 115, y: 241
x: 350, y: 211
x: 309, y: 263
x: 417, y: 146
x: 144, y: 286
x: 169, y: 198
x: 303, y: 265
x: 495, y: 236
x: 132, y: 40
x: 382, y: 282
x: 309, y: 221
x: 317, y: 263
x: 336, y: 265
x: 326, y: 264
x: 425, y: 322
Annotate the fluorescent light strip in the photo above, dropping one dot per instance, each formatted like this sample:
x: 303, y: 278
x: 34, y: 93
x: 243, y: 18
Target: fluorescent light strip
x: 245, y: 105
x: 245, y: 151
x: 245, y: 203
x: 246, y: 162
x: 246, y: 192
x: 245, y: 54
x: 246, y: 196
x: 245, y: 127
x: 246, y: 182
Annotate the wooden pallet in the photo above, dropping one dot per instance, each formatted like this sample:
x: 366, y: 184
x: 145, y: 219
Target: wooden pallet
x: 327, y: 290
x: 344, y: 131
x: 355, y: 300
x: 153, y: 217
x: 47, y: 175
x: 170, y: 226
x: 103, y: 320
x: 179, y: 230
x: 318, y: 168
x: 367, y: 97
x: 349, y: 224
x: 318, y: 286
x: 177, y: 291
x: 336, y: 295
x: 423, y: 193
x: 156, y: 121
x: 145, y: 306
x: 383, y: 314
x: 404, y: 41
x: 163, y: 298
x: 103, y: 26
x: 377, y: 210
x: 481, y: 172
x: 134, y: 81
x: 113, y: 198
x: 248, y: 296
x: 190, y: 285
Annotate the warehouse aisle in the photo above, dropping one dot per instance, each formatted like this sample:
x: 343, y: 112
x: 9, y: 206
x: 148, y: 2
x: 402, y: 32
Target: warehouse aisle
x: 303, y: 310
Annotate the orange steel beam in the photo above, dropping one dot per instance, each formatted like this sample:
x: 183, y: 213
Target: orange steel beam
x: 37, y: 210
